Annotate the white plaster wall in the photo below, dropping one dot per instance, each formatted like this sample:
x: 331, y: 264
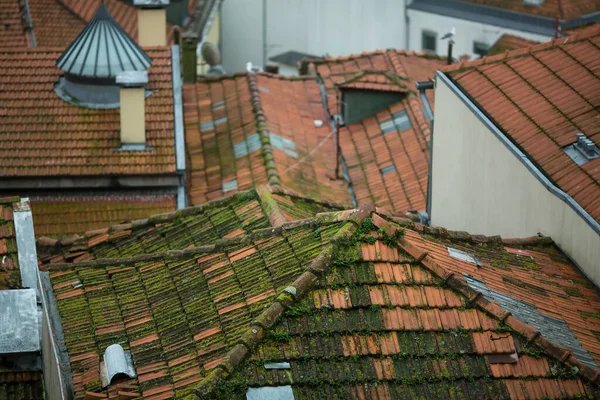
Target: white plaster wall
x: 467, y: 32
x: 480, y: 187
x: 316, y: 27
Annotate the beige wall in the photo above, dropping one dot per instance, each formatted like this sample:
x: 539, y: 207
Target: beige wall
x: 480, y: 186
x: 214, y: 36
x: 133, y: 116
x: 152, y: 27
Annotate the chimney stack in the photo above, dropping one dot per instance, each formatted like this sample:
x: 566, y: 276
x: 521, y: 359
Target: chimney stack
x: 152, y: 22
x: 189, y: 52
x: 133, y: 110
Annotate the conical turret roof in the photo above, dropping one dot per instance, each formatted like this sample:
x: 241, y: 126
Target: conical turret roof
x: 102, y: 50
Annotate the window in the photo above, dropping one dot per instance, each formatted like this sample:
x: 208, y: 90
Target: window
x: 429, y: 41
x: 481, y: 49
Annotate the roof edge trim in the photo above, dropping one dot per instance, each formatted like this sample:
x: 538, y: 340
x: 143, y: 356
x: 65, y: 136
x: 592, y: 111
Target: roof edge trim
x: 178, y: 125
x: 524, y: 158
x: 26, y: 249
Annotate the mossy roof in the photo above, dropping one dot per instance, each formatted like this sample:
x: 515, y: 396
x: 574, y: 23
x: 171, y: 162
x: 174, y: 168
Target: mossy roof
x: 10, y: 277
x: 359, y: 303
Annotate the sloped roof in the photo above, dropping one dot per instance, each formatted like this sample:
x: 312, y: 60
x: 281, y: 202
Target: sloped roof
x: 61, y: 215
x: 564, y: 9
x: 359, y: 303
x: 541, y: 97
x: 43, y: 135
x: 10, y: 277
x: 508, y: 42
x: 408, y: 66
x: 389, y: 169
x: 24, y: 385
x: 11, y: 27
x: 237, y: 131
x: 232, y: 216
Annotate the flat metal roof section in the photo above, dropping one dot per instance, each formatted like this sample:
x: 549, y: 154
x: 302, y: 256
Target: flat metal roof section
x: 19, y: 327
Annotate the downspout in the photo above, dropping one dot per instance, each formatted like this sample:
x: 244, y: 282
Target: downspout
x: 264, y: 32
x: 406, y: 27
x: 178, y: 126
x: 422, y: 87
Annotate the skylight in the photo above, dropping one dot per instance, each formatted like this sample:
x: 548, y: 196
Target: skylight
x: 583, y: 150
x: 536, y: 3
x: 387, y: 170
x: 270, y: 393
x: 461, y: 255
x: 230, y: 185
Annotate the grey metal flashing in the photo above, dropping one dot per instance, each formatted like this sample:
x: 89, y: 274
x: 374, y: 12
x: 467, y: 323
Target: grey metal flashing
x: 178, y: 126
x: 539, y: 175
x: 29, y: 25
x: 422, y: 87
x: 554, y: 329
x: 292, y: 57
x: 19, y: 327
x: 55, y: 354
x: 26, y: 250
x: 133, y: 147
x: 493, y: 16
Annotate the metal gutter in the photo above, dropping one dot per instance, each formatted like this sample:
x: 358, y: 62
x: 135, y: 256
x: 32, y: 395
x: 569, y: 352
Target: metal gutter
x: 422, y: 87
x: 518, y: 153
x: 497, y: 16
x: 178, y: 126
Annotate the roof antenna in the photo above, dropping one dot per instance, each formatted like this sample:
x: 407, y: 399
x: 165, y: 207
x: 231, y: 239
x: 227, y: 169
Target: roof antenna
x: 556, y: 27
x: 450, y: 36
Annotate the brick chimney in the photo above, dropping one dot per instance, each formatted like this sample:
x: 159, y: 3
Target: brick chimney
x: 133, y: 109
x: 152, y: 22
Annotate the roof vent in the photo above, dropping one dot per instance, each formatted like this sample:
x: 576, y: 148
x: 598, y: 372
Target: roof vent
x: 583, y: 150
x: 117, y: 363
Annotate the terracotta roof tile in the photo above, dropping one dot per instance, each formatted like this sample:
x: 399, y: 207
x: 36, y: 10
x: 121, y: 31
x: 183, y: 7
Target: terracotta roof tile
x: 44, y: 136
x: 310, y: 295
x: 12, y: 34
x: 554, y: 87
x: 563, y: 9
x: 237, y: 132
x: 10, y: 277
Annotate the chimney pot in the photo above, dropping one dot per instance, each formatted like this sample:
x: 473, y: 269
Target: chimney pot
x: 132, y: 106
x: 152, y: 22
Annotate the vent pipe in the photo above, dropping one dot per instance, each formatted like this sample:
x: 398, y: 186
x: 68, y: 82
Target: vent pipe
x: 133, y: 110
x: 152, y: 22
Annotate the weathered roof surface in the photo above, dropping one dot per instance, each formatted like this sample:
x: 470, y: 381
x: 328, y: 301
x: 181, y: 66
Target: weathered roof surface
x: 21, y: 385
x: 232, y: 216
x: 43, y: 135
x: 10, y: 277
x: 389, y: 169
x: 68, y: 215
x: 408, y: 66
x: 360, y: 304
x: 239, y: 136
x: 541, y: 97
x: 564, y: 9
x: 11, y: 32
x: 508, y: 42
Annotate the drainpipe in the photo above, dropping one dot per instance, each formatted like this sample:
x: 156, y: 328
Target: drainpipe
x: 264, y: 32
x: 406, y: 27
x: 422, y: 87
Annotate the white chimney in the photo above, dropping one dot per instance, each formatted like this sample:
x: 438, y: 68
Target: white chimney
x: 133, y: 110
x: 152, y: 22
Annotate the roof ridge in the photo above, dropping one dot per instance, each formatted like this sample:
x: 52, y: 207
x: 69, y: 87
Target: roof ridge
x: 263, y: 131
x: 219, y: 245
x: 289, y: 296
x: 152, y: 220
x: 458, y: 283
x: 281, y: 190
x: 463, y: 236
x: 559, y: 42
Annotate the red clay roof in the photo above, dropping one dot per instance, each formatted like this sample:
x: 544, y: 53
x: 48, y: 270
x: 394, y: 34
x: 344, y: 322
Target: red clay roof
x: 509, y: 42
x: 564, y: 9
x: 67, y: 215
x: 367, y: 151
x: 409, y: 66
x: 11, y: 28
x: 541, y: 97
x: 10, y: 277
x: 360, y: 304
x: 43, y: 135
x: 275, y: 116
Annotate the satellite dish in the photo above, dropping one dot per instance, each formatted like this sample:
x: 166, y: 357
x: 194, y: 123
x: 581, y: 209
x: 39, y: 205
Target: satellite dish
x: 210, y: 54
